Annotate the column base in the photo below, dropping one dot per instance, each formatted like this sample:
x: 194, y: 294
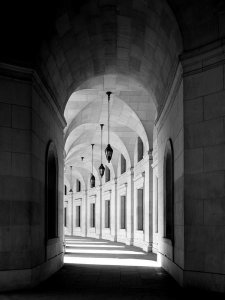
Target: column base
x: 146, y: 246
x: 93, y: 235
x: 109, y: 237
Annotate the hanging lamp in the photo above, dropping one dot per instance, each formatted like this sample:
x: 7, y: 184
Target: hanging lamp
x: 101, y: 168
x: 92, y: 180
x: 108, y: 150
x: 71, y: 190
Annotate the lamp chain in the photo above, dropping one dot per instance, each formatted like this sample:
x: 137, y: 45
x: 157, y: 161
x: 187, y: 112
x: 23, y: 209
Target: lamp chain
x: 108, y: 93
x: 92, y: 145
x: 108, y: 117
x: 101, y: 140
x: 71, y: 177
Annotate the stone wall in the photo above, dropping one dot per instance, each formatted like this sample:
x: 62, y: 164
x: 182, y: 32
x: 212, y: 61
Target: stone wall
x: 204, y: 189
x: 170, y: 126
x: 27, y: 122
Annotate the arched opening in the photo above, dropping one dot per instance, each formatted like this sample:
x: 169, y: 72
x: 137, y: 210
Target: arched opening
x: 139, y: 75
x: 51, y: 192
x: 78, y: 185
x: 134, y: 49
x: 123, y: 165
x: 107, y: 174
x: 65, y: 190
x: 140, y: 149
x: 169, y: 191
x: 65, y: 216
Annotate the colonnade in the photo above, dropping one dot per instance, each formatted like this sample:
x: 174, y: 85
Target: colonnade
x: 118, y: 210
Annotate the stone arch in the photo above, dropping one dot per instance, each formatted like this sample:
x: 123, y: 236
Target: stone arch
x: 136, y: 38
x: 120, y: 114
x: 77, y: 142
x: 75, y: 174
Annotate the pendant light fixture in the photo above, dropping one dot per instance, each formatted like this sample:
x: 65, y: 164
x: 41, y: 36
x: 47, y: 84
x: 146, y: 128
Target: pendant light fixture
x: 108, y: 150
x: 71, y: 190
x: 101, y: 168
x: 92, y: 180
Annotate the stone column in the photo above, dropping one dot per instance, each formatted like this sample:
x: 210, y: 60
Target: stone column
x: 130, y: 207
x: 101, y: 208
x: 98, y: 212
x: 148, y: 203
x: 85, y: 200
x: 72, y: 213
x: 113, y: 208
x: 155, y: 202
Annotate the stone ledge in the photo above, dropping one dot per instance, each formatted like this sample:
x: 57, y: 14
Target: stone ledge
x: 28, y: 278
x: 214, y: 282
x: 205, y: 281
x: 174, y: 270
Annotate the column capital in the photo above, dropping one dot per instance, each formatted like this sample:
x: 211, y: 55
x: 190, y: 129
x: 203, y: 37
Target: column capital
x: 203, y: 57
x: 130, y: 171
x: 148, y: 155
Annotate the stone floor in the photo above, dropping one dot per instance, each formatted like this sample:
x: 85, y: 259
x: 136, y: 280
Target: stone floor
x: 99, y: 269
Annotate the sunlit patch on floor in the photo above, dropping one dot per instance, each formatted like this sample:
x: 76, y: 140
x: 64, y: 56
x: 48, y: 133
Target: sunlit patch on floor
x: 93, y: 246
x: 84, y: 242
x: 90, y: 252
x: 111, y: 261
x: 104, y: 251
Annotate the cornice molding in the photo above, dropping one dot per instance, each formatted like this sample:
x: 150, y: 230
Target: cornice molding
x: 122, y: 186
x: 203, y: 58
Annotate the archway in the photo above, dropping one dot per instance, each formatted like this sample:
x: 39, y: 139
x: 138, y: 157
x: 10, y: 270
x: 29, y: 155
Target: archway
x: 139, y: 74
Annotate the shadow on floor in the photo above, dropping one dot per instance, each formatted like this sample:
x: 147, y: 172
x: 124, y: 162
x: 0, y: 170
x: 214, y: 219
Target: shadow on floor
x: 99, y: 269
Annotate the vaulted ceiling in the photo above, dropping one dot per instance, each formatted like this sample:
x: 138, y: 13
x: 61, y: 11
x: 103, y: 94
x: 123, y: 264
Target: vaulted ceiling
x: 81, y: 49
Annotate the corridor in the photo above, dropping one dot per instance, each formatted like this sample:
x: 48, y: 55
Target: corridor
x: 100, y: 269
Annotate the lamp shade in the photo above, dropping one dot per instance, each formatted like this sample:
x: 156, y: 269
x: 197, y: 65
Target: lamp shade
x: 101, y: 170
x: 108, y: 153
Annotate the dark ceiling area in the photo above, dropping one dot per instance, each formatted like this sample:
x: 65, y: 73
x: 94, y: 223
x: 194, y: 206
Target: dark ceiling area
x: 24, y: 24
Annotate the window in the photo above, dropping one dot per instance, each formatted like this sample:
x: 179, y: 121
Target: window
x: 107, y: 174
x: 169, y: 191
x: 78, y: 216
x: 65, y: 190
x: 65, y: 216
x: 140, y: 149
x: 140, y: 209
x: 123, y: 212
x: 107, y: 214
x: 51, y: 192
x: 78, y: 185
x: 92, y: 215
x: 123, y: 166
x: 156, y: 205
